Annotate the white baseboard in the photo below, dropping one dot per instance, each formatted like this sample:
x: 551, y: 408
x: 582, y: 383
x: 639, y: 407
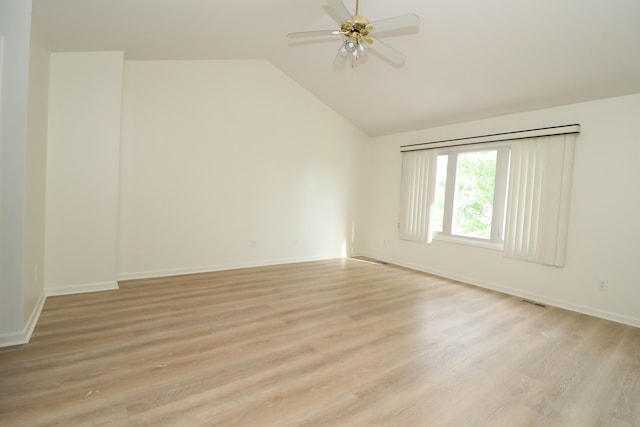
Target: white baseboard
x: 12, y: 338
x: 23, y: 337
x: 221, y: 267
x: 81, y: 289
x: 615, y: 317
x: 35, y: 315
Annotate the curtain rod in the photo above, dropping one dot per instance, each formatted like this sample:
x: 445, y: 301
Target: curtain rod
x: 504, y: 136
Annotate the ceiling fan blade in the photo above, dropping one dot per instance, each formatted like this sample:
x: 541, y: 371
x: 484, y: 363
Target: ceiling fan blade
x: 341, y: 10
x: 396, y: 23
x: 318, y: 33
x: 340, y: 62
x: 387, y: 52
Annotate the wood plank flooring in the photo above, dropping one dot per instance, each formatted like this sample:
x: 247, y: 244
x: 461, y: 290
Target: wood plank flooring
x: 333, y: 343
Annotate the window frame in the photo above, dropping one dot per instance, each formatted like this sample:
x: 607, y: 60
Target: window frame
x: 498, y: 217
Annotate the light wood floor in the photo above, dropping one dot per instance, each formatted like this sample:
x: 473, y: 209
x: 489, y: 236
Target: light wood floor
x: 335, y: 343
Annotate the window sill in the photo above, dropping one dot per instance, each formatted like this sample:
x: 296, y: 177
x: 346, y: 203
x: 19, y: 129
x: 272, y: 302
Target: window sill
x: 469, y: 241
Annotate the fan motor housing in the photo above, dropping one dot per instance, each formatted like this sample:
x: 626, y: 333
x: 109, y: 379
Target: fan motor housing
x: 358, y: 25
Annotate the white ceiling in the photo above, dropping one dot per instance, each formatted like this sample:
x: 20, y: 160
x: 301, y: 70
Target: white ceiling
x: 468, y: 59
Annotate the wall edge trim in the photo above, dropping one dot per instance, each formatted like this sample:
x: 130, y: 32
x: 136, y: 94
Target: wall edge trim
x: 10, y: 339
x: 590, y: 311
x: 35, y: 316
x: 81, y: 289
x: 219, y: 267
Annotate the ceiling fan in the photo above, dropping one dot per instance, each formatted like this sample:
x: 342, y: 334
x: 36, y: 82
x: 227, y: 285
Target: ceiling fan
x: 356, y: 31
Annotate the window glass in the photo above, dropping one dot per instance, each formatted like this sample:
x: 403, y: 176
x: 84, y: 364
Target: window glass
x: 474, y: 190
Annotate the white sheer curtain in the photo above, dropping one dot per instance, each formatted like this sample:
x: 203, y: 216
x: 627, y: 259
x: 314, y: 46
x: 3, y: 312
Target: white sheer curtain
x: 417, y: 195
x: 538, y: 200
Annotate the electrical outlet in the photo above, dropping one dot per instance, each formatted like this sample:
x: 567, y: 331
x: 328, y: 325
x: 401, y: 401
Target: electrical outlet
x: 603, y: 284
x: 253, y: 243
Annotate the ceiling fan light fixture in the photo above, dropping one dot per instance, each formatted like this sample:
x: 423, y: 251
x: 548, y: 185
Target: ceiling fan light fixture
x: 350, y: 46
x: 354, y: 48
x: 362, y: 48
x: 356, y: 31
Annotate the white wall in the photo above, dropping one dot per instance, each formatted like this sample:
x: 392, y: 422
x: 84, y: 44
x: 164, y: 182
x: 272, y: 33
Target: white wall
x: 82, y: 171
x: 15, y: 24
x: 604, y: 230
x: 35, y: 177
x: 219, y: 154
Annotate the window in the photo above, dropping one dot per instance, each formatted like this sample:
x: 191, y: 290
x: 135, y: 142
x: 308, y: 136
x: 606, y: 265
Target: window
x: 507, y: 190
x: 470, y: 194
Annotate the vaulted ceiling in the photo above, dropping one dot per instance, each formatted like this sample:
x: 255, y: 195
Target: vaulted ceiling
x: 467, y: 60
